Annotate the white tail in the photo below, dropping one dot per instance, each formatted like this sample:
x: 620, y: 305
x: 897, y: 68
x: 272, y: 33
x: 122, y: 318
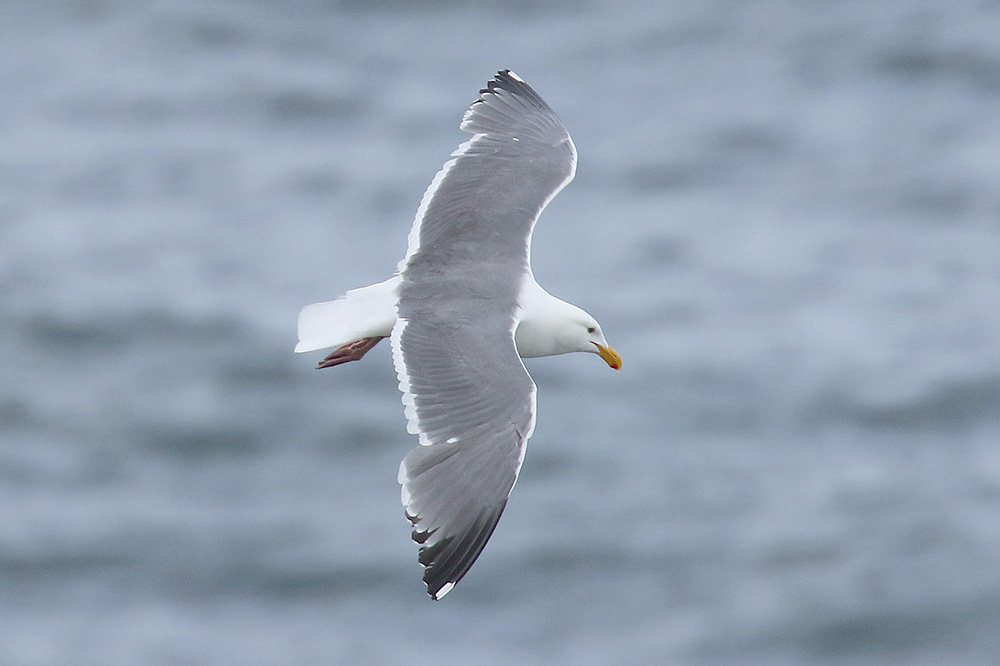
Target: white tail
x: 360, y: 313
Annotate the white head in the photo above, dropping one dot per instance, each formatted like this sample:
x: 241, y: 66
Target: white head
x: 549, y: 326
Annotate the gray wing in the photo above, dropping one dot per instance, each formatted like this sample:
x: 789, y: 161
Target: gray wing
x: 465, y: 390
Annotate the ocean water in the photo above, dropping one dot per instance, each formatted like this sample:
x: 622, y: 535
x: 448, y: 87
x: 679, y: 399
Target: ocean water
x: 786, y: 217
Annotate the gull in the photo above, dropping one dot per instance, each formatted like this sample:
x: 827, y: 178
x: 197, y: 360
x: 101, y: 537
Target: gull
x: 461, y: 312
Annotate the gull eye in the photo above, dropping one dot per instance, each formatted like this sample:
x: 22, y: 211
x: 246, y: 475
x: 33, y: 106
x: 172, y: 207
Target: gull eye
x: 591, y: 329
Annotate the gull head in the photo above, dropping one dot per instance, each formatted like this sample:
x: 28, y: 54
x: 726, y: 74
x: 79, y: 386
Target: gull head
x: 550, y: 326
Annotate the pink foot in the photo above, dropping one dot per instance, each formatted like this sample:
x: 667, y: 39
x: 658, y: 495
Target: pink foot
x: 352, y: 351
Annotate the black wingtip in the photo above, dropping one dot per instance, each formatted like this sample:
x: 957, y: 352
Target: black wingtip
x: 447, y: 561
x: 505, y: 79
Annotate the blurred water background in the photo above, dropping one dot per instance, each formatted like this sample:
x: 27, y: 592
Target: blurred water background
x: 786, y: 216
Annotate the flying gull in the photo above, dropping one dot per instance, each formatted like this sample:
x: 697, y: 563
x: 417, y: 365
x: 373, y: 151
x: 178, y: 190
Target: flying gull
x: 460, y: 311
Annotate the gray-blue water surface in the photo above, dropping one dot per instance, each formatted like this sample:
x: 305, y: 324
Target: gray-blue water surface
x: 786, y: 216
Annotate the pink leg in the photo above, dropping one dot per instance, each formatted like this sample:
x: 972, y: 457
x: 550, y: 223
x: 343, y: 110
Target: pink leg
x: 352, y: 351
